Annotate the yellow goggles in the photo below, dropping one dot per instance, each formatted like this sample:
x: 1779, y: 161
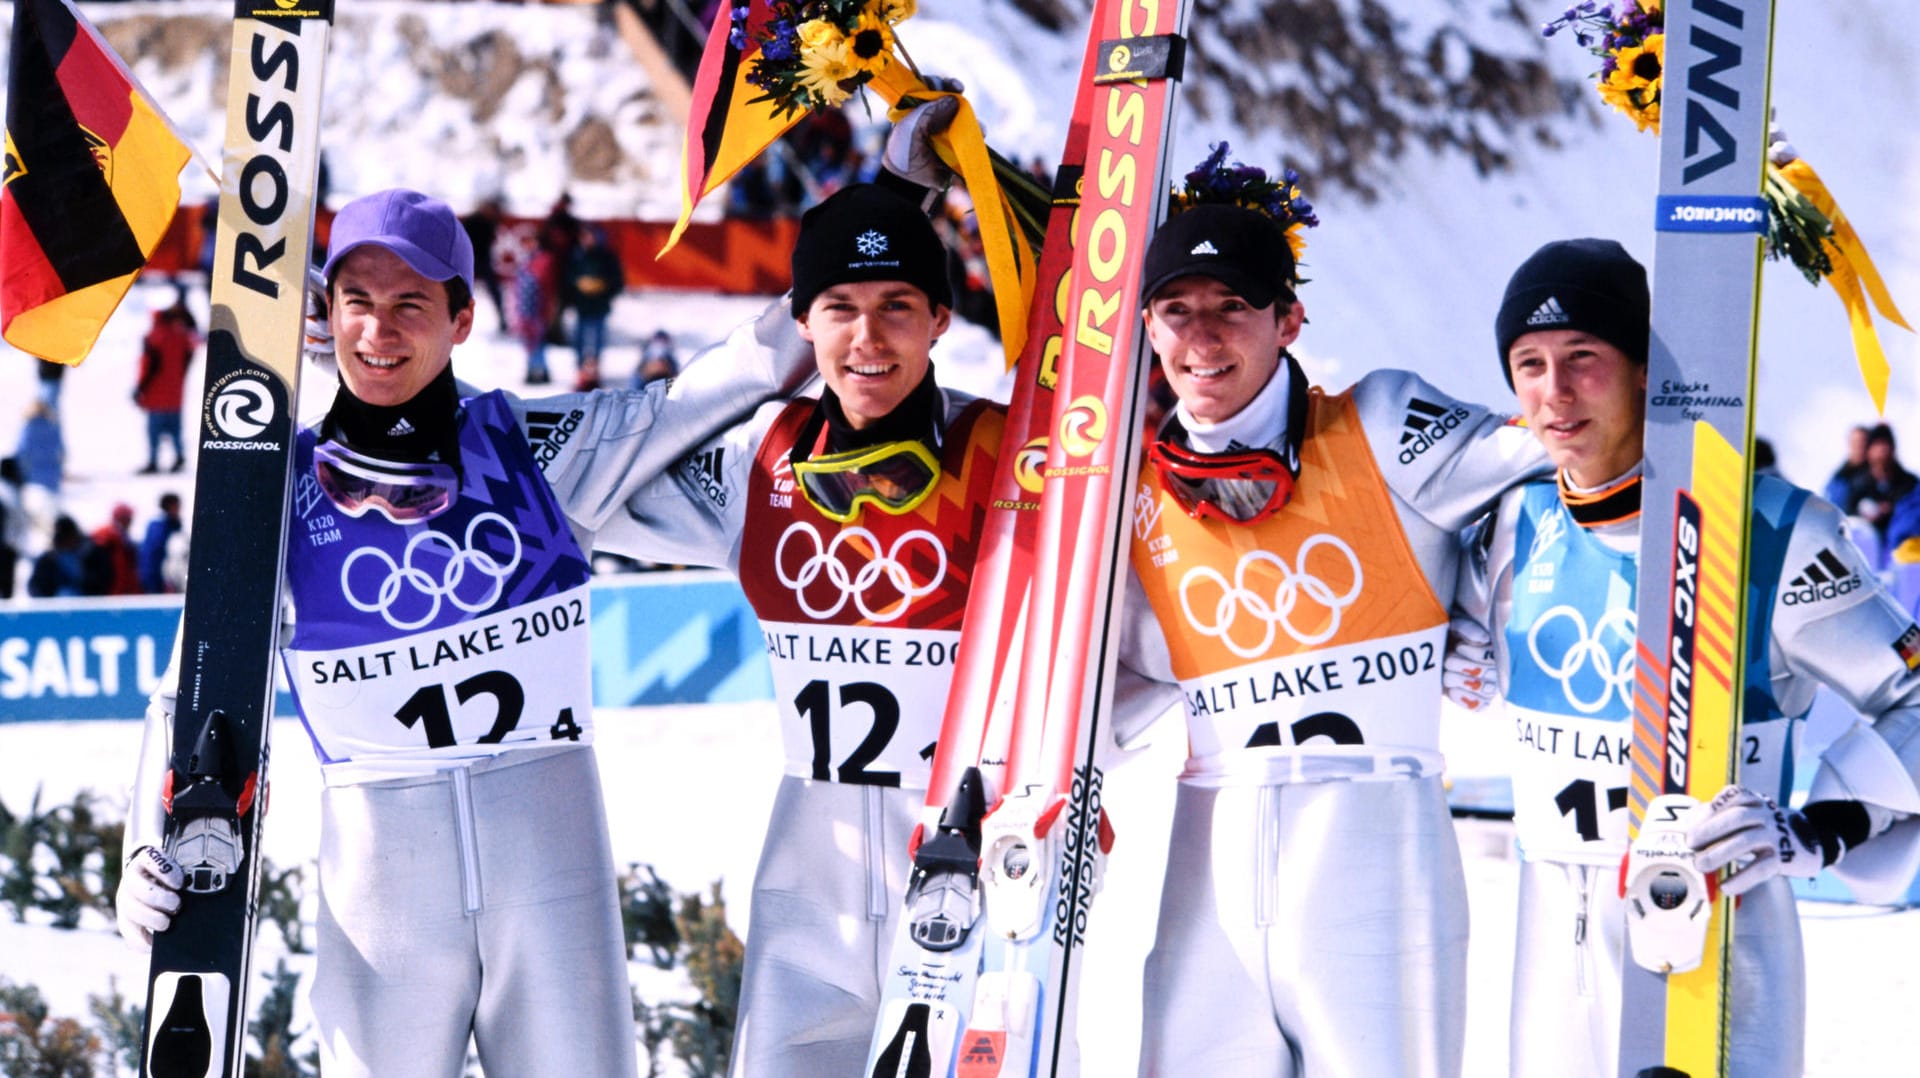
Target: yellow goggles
x: 894, y: 478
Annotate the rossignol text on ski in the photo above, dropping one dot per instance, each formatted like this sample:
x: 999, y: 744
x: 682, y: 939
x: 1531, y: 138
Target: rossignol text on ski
x: 216, y: 790
x: 1041, y: 844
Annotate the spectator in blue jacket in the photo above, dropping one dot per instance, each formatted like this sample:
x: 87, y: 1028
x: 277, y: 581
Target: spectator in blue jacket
x: 153, y: 544
x: 61, y: 570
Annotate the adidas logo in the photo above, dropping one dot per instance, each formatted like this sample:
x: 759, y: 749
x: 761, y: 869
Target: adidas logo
x: 1204, y: 247
x: 401, y: 428
x: 704, y: 469
x: 1549, y: 313
x: 1425, y: 424
x: 547, y: 432
x: 1825, y: 577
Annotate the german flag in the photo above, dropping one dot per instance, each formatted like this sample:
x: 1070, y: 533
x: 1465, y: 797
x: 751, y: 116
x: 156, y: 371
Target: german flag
x: 92, y: 180
x: 723, y: 132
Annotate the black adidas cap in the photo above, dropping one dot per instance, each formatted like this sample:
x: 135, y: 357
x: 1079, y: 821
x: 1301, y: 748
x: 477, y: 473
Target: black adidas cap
x: 1241, y: 248
x: 1589, y: 285
x: 867, y: 233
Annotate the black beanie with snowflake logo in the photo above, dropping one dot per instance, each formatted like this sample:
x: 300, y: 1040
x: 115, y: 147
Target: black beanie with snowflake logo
x: 867, y: 233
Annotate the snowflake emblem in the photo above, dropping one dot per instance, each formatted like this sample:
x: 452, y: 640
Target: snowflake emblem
x: 871, y: 243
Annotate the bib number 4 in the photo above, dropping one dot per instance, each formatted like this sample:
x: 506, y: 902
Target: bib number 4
x: 428, y: 709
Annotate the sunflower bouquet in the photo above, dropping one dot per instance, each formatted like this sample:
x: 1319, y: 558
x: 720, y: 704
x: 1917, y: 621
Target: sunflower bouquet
x: 816, y: 53
x: 1632, y: 45
x: 1805, y: 226
x: 1630, y: 39
x: 1216, y: 181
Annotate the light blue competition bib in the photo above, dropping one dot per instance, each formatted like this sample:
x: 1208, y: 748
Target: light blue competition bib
x: 1570, y: 645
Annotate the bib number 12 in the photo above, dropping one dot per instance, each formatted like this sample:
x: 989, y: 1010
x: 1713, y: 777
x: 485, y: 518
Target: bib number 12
x: 428, y: 709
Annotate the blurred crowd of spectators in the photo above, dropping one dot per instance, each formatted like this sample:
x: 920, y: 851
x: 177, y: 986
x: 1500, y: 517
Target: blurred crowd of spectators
x: 1873, y: 488
x: 59, y: 559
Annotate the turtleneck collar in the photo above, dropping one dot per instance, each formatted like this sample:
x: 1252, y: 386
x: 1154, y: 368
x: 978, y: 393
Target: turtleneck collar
x: 424, y: 428
x: 1251, y: 427
x: 917, y: 418
x: 1276, y: 419
x: 1613, y: 502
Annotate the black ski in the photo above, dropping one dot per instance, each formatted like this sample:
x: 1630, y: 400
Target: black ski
x: 215, y: 789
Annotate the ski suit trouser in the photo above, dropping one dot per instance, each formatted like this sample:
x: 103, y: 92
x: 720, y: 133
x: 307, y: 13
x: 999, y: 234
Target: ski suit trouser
x: 826, y: 898
x: 478, y: 900
x: 1309, y: 930
x: 1566, y: 991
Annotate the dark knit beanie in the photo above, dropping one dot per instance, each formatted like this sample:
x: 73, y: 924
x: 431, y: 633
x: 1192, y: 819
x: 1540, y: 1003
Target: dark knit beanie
x: 867, y: 233
x: 1241, y: 248
x: 1593, y: 286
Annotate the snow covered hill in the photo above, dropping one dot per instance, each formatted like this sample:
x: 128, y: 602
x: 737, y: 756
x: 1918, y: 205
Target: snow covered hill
x: 526, y: 101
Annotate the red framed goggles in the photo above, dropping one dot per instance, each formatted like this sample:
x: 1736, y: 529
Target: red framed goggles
x: 1261, y: 483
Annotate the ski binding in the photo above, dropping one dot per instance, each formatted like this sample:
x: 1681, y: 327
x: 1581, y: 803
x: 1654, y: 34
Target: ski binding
x: 1669, y: 900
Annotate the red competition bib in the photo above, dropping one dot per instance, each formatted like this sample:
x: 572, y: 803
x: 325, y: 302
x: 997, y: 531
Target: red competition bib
x: 862, y: 619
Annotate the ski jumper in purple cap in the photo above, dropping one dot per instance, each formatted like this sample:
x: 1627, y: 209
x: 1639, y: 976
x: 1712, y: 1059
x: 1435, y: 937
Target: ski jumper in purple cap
x: 437, y: 574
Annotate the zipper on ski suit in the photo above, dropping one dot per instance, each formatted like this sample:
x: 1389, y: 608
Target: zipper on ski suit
x: 465, y: 837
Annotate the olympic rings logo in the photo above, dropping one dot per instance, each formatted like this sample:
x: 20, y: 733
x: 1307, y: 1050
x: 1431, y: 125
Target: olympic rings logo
x: 1589, y: 650
x: 1277, y: 612
x: 854, y: 586
x: 404, y: 574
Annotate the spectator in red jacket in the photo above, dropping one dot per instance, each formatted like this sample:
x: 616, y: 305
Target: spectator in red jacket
x: 164, y: 356
x: 113, y: 562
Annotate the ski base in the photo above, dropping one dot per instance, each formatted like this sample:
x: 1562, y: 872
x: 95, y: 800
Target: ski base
x: 191, y: 1040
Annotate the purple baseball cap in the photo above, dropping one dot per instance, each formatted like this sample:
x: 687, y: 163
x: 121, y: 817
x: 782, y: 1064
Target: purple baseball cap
x: 423, y: 231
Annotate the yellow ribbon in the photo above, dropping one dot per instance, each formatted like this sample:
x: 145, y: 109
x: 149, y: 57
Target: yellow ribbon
x: 963, y: 147
x: 1854, y: 279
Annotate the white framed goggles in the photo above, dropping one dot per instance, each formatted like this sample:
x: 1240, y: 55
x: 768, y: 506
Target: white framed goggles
x: 403, y: 492
x: 893, y: 478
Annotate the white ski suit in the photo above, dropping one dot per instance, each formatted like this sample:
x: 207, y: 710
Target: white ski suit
x: 1563, y: 646
x: 466, y: 884
x: 1314, y: 917
x: 862, y: 622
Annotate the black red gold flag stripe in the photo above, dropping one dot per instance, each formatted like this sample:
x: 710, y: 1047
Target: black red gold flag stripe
x: 723, y: 131
x: 91, y: 182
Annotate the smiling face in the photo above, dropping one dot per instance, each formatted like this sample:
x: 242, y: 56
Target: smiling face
x: 1585, y: 401
x: 392, y: 330
x: 873, y: 341
x: 1217, y: 350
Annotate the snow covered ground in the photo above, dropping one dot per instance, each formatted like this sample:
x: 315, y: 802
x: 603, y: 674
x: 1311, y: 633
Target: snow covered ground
x: 657, y: 765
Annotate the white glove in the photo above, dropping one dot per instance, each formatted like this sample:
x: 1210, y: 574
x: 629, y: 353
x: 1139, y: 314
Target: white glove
x: 1467, y: 675
x: 1740, y: 827
x: 148, y: 898
x: 317, y: 345
x: 909, y: 151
